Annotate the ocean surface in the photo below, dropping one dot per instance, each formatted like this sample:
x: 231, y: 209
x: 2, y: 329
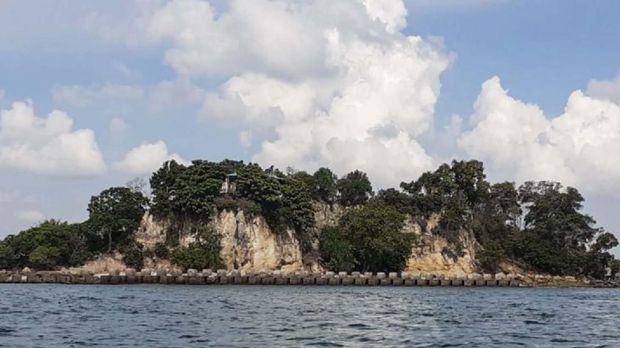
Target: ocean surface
x: 41, y: 315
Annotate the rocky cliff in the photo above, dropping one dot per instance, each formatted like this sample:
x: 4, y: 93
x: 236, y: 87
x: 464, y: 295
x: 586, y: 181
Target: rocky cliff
x: 250, y: 245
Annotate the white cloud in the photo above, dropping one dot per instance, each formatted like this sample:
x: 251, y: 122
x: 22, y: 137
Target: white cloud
x: 609, y: 90
x: 578, y: 148
x: 328, y: 83
x: 146, y: 158
x: 47, y: 145
x: 118, y: 124
x: 30, y: 216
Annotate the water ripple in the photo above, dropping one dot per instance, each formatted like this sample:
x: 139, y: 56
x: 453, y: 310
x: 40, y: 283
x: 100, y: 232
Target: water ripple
x: 243, y: 316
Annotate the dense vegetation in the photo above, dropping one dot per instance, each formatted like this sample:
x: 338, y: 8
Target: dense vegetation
x: 538, y: 225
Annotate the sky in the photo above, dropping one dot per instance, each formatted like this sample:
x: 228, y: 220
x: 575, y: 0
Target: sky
x: 94, y: 94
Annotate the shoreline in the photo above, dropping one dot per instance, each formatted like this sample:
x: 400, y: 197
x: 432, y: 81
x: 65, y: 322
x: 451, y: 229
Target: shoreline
x: 221, y: 277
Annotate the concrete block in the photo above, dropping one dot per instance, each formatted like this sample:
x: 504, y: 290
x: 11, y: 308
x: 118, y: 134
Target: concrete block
x: 267, y: 280
x: 393, y: 275
x: 342, y: 274
x: 360, y: 281
x: 458, y: 282
x: 445, y: 282
x: 491, y: 282
x: 207, y: 271
x: 334, y: 281
x: 398, y: 281
x: 368, y: 274
x: 347, y: 281
x: 409, y: 282
x: 355, y: 274
x: 293, y: 280
x: 434, y: 282
x: 385, y: 281
x: 373, y: 281
x: 282, y: 280
x: 380, y: 275
x: 253, y: 280
x: 181, y: 279
x: 479, y: 282
x: 321, y: 281
x: 330, y: 274
x: 308, y: 280
x: 405, y: 275
x: 503, y: 282
x: 222, y: 272
x: 468, y: 282
x: 487, y: 276
x: 422, y: 282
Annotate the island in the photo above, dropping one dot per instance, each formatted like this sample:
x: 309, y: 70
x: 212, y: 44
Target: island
x: 235, y: 222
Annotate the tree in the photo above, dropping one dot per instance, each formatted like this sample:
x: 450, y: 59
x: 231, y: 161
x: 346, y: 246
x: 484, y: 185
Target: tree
x: 325, y: 188
x: 556, y: 234
x: 49, y: 245
x: 116, y: 213
x: 375, y: 233
x: 337, y: 253
x: 354, y: 188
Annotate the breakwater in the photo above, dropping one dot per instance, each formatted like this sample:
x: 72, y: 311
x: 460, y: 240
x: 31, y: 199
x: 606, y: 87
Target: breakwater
x: 209, y: 277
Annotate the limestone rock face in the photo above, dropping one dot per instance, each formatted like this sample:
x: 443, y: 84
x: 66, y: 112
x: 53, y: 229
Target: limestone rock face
x: 249, y: 244
x: 150, y: 231
x: 430, y: 255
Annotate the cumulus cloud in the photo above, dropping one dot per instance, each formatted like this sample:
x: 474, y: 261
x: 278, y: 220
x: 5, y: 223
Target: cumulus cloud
x: 47, y: 145
x: 578, y: 147
x: 605, y: 89
x: 318, y: 83
x: 146, y: 158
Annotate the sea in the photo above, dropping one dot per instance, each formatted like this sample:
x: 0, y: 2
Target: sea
x: 54, y: 315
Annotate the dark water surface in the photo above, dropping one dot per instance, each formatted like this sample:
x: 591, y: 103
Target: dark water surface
x: 40, y: 315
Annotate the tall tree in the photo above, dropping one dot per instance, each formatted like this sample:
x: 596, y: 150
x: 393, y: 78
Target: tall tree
x: 116, y: 213
x: 354, y: 188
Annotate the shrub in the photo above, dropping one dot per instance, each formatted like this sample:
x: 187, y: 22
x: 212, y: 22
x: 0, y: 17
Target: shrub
x: 133, y: 255
x: 336, y: 251
x: 161, y: 251
x: 197, y: 256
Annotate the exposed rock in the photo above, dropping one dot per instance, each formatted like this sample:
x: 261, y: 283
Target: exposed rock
x: 249, y: 244
x: 150, y: 232
x: 105, y: 264
x: 429, y: 255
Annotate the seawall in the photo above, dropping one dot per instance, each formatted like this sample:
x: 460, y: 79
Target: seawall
x: 208, y: 277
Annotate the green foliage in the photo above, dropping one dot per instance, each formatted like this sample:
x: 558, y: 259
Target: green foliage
x: 133, y: 255
x: 491, y: 256
x: 336, y: 251
x: 44, y: 257
x: 354, y: 188
x: 325, y: 185
x: 375, y: 233
x: 116, y: 213
x: 47, y: 246
x: 556, y: 235
x: 161, y: 251
x: 197, y: 256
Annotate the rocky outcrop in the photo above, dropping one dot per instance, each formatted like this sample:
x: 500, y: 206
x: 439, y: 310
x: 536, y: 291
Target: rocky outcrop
x: 249, y: 244
x: 434, y: 254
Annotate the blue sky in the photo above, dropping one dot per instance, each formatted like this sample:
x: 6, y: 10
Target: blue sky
x: 107, y: 60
